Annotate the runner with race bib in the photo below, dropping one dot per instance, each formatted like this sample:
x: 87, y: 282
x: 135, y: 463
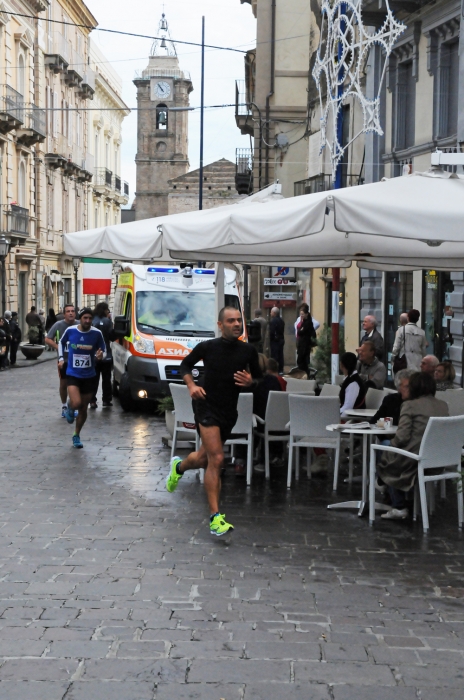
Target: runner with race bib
x: 84, y: 344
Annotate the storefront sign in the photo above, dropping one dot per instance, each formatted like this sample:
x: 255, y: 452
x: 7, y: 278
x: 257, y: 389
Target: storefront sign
x: 281, y: 296
x: 277, y: 280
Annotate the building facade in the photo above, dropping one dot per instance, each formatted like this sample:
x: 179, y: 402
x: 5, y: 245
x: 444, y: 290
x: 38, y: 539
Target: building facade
x: 422, y: 103
x: 52, y: 85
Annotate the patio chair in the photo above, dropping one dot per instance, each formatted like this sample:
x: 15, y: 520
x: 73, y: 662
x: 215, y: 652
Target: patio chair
x: 300, y: 386
x: 374, y: 398
x: 309, y: 416
x: 242, y: 433
x: 275, y: 423
x: 331, y: 390
x: 455, y: 400
x: 183, y: 413
x: 440, y: 448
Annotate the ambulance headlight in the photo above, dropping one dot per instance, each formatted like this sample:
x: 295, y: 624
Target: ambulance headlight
x: 144, y: 345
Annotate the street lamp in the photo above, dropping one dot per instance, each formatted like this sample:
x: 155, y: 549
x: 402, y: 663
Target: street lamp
x: 4, y: 250
x: 76, y: 262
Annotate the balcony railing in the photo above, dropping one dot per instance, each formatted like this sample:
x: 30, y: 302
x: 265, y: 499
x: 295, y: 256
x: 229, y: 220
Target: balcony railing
x: 244, y: 170
x: 241, y: 106
x: 12, y: 103
x: 323, y: 183
x: 126, y: 189
x: 58, y: 54
x: 103, y: 178
x: 18, y: 220
x: 37, y: 120
x: 117, y: 183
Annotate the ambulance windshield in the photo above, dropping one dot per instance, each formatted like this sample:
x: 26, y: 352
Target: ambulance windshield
x: 179, y: 313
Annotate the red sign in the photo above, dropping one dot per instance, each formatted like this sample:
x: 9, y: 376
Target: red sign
x: 269, y: 303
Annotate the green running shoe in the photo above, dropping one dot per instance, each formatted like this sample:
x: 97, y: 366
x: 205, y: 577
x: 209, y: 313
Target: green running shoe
x: 219, y: 527
x: 173, y: 477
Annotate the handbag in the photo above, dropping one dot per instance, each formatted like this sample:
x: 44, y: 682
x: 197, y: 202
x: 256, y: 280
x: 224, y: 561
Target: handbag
x: 400, y: 363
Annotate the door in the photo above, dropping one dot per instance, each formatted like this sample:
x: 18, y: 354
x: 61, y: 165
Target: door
x: 22, y: 302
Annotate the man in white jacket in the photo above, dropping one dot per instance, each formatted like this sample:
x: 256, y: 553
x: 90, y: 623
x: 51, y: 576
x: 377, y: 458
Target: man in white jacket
x: 410, y: 340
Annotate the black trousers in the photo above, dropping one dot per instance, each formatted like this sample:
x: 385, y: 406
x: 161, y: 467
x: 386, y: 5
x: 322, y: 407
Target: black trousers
x: 277, y: 353
x: 103, y: 369
x: 303, y: 353
x: 13, y: 350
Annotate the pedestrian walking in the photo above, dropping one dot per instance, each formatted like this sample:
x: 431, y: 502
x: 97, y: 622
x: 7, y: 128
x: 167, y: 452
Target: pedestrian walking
x: 277, y: 337
x: 15, y: 333
x: 305, y: 339
x: 42, y: 317
x: 264, y: 324
x: 410, y: 344
x: 230, y: 367
x: 52, y: 339
x: 103, y: 368
x: 49, y: 322
x: 33, y: 320
x: 372, y: 334
x: 85, y: 346
x: 5, y: 339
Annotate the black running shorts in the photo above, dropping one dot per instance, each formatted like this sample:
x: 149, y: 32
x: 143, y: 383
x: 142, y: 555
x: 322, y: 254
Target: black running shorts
x: 206, y: 417
x: 89, y: 385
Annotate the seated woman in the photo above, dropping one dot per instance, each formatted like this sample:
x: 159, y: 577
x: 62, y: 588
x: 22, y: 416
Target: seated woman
x: 397, y: 471
x: 391, y: 405
x: 353, y: 390
x: 445, y: 375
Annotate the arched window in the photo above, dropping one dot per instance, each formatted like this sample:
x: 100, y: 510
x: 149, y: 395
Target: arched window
x: 161, y: 117
x: 22, y: 184
x: 21, y: 74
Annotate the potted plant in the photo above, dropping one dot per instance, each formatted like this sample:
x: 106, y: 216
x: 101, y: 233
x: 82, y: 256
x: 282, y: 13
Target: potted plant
x: 32, y: 349
x: 322, y: 358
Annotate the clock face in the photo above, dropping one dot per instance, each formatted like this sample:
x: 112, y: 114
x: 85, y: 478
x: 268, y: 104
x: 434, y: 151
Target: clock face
x: 162, y: 90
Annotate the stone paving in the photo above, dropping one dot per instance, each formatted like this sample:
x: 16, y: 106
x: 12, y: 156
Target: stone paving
x: 112, y: 588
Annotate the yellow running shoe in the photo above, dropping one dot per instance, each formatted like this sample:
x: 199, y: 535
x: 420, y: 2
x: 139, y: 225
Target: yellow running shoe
x: 218, y: 526
x: 173, y: 477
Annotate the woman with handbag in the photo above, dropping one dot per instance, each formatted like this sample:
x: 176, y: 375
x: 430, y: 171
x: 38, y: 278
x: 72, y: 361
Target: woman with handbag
x: 410, y: 345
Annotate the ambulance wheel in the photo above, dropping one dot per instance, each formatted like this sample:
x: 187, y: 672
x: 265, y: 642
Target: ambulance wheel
x: 125, y: 398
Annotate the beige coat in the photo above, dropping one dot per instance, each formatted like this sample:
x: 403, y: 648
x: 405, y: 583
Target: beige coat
x: 397, y: 470
x: 411, y: 338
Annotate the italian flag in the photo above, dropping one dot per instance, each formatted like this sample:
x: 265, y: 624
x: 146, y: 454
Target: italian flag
x: 97, y: 276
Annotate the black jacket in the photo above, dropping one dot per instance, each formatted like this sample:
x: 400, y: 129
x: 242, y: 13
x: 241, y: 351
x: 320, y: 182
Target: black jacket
x: 306, y: 334
x: 105, y: 325
x: 276, y: 330
x: 389, y: 408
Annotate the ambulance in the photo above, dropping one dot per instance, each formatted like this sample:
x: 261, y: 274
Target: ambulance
x: 160, y: 314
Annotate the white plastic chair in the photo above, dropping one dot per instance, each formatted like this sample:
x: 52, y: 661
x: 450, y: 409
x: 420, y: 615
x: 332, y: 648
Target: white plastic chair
x: 300, y: 386
x: 440, y: 448
x: 275, y: 423
x: 331, y: 390
x: 183, y: 413
x: 455, y: 400
x: 374, y: 398
x: 309, y: 416
x: 242, y: 433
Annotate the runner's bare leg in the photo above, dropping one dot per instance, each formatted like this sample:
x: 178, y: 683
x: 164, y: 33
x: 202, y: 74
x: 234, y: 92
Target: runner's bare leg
x: 80, y: 403
x: 210, y: 457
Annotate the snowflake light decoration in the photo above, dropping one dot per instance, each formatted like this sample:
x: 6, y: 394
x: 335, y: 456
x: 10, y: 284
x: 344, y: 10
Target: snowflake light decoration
x: 343, y: 48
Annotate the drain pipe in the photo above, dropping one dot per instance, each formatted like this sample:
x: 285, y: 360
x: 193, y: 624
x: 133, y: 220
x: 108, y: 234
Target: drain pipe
x: 271, y: 88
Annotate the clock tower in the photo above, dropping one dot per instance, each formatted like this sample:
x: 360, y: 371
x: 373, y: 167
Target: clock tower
x: 162, y: 133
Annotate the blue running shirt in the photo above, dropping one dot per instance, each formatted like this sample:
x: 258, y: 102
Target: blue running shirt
x: 81, y: 347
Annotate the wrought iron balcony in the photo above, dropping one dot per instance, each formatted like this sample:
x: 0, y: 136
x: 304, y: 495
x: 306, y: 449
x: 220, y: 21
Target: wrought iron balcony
x: 18, y: 221
x: 57, y: 57
x: 126, y: 189
x: 242, y: 109
x: 11, y: 109
x: 117, y: 183
x: 34, y: 129
x: 244, y: 170
x: 323, y: 183
x: 87, y: 87
x: 103, y: 182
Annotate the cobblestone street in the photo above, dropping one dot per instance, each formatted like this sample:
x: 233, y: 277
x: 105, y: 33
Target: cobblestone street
x: 112, y: 588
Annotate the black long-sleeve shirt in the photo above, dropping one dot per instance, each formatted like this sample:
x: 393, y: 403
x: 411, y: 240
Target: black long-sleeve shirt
x: 221, y: 359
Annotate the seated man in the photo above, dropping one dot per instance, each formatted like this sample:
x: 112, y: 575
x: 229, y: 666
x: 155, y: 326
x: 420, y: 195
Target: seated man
x: 391, y: 405
x: 272, y: 368
x: 370, y: 369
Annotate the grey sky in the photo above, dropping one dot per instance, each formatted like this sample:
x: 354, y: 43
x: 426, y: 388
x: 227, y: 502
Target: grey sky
x: 228, y: 23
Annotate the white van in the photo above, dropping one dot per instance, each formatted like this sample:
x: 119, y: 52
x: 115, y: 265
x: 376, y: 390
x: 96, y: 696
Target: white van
x: 160, y: 314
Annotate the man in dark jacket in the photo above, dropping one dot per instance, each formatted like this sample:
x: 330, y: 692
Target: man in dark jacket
x: 371, y: 333
x: 277, y: 337
x: 15, y: 332
x: 102, y: 321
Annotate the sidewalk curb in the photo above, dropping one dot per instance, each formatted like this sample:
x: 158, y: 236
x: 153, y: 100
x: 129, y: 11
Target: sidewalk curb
x: 32, y: 363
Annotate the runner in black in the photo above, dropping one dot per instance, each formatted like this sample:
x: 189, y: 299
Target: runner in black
x: 230, y: 366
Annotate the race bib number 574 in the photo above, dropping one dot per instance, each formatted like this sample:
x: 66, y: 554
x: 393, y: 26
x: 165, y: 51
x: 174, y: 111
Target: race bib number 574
x: 81, y: 361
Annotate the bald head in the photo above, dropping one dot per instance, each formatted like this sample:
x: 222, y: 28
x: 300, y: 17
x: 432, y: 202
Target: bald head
x: 429, y: 364
x: 275, y: 311
x: 404, y: 318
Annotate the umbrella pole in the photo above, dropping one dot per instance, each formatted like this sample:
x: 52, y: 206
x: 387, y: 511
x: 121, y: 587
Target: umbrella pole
x: 335, y: 321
